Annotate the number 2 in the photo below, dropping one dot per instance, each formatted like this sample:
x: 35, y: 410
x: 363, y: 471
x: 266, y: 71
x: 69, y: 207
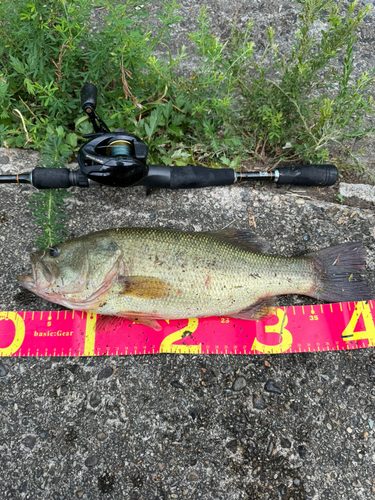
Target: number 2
x: 167, y: 344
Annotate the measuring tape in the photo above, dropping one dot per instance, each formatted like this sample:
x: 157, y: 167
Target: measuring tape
x: 328, y: 327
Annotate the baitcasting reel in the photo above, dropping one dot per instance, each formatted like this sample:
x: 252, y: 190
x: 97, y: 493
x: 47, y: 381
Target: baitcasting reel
x: 119, y: 159
x: 114, y: 159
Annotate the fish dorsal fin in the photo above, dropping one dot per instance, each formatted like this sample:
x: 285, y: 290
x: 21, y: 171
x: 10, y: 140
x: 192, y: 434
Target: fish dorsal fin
x: 144, y: 287
x: 240, y: 238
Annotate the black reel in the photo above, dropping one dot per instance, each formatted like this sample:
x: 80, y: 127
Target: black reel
x: 114, y: 159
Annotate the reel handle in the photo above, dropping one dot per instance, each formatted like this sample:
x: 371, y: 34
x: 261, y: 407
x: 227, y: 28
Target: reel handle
x: 89, y: 96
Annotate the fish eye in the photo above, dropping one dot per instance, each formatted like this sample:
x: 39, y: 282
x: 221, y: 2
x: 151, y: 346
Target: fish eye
x: 54, y: 252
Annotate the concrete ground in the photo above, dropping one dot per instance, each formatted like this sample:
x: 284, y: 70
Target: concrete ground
x: 178, y: 426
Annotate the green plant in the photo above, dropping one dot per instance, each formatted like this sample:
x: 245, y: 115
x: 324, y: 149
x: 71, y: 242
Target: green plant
x: 49, y: 216
x: 303, y: 101
x: 47, y: 203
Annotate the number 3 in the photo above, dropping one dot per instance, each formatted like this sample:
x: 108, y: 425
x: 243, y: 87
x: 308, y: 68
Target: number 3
x: 279, y: 328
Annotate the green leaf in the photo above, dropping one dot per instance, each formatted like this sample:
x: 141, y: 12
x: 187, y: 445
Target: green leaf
x: 71, y: 139
x: 17, y: 65
x: 148, y: 130
x: 81, y: 120
x: 60, y: 132
x: 29, y: 86
x: 84, y: 126
x: 4, y: 86
x: 224, y: 160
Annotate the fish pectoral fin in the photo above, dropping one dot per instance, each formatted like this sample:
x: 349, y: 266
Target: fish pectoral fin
x: 262, y: 308
x: 144, y: 287
x: 152, y: 323
x: 106, y: 323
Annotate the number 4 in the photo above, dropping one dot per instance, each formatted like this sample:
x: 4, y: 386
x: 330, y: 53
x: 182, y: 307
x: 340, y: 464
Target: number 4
x: 369, y: 333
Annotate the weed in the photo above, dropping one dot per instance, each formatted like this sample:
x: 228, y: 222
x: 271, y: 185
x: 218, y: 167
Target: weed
x: 299, y: 103
x: 47, y: 205
x: 340, y: 198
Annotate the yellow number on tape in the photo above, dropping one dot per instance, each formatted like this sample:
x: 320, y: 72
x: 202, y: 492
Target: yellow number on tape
x: 285, y: 336
x: 369, y: 332
x: 167, y: 344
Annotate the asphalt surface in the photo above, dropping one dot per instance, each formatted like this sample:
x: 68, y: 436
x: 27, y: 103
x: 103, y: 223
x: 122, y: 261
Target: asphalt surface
x: 289, y: 427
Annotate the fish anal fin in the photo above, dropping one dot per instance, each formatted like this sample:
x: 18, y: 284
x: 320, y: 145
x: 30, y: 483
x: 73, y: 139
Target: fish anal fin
x: 144, y: 287
x: 243, y: 239
x: 261, y: 309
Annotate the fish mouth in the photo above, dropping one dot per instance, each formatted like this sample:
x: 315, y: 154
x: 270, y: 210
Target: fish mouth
x: 41, y: 279
x: 27, y: 282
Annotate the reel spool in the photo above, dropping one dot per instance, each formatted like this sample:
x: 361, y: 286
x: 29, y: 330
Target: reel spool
x: 119, y: 148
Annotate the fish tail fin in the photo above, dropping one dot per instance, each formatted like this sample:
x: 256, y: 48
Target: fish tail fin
x: 338, y: 273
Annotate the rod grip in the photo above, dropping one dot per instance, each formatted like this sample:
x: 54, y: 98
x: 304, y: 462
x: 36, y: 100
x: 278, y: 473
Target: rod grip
x: 308, y: 175
x: 198, y: 177
x: 89, y: 95
x: 50, y: 178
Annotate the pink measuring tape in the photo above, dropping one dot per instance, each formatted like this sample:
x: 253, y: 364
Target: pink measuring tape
x: 328, y: 327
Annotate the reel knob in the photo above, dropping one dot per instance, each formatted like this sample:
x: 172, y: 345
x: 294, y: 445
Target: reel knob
x: 89, y: 96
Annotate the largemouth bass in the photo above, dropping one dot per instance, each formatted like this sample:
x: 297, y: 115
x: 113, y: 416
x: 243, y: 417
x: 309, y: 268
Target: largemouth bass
x: 150, y: 274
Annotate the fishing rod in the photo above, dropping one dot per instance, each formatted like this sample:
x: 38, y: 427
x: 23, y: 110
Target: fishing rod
x: 119, y: 159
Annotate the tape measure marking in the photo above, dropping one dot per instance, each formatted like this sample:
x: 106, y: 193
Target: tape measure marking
x: 328, y: 327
